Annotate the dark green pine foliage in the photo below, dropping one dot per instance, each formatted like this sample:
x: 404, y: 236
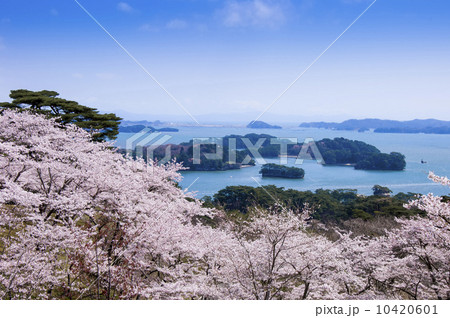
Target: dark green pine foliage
x: 328, y: 205
x: 104, y: 126
x: 280, y: 171
x: 381, y: 191
x: 382, y: 161
x: 363, y: 156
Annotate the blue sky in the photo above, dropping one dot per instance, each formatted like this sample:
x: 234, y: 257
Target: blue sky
x: 228, y: 60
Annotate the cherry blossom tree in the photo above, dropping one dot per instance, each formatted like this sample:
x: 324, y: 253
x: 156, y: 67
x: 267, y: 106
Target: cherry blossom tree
x: 275, y: 255
x: 411, y: 261
x: 81, y: 221
x: 422, y: 246
x: 78, y: 220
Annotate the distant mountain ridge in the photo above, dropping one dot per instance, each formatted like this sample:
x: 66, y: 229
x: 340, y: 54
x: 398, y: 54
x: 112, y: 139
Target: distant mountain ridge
x: 427, y: 126
x: 139, y: 128
x: 145, y: 123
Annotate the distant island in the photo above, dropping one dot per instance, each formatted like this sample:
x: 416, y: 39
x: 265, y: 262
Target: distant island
x: 279, y: 171
x: 262, y: 125
x: 337, y: 151
x: 341, y: 151
x: 139, y: 128
x: 184, y: 154
x: 426, y: 126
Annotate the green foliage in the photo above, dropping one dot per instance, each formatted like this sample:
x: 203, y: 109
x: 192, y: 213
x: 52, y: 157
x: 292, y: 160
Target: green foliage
x: 381, y: 191
x: 382, y: 161
x: 361, y: 214
x: 344, y: 151
x: 363, y: 156
x: 274, y: 170
x: 239, y: 198
x: 69, y: 112
x: 334, y: 151
x: 406, y: 197
x: 184, y: 153
x: 329, y: 205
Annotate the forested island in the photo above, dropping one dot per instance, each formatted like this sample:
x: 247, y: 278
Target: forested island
x: 262, y: 125
x: 426, y: 126
x: 280, y: 171
x: 337, y: 151
x: 341, y: 151
x: 184, y: 154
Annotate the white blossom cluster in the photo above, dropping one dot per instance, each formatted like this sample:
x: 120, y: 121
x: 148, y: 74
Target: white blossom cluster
x: 80, y: 221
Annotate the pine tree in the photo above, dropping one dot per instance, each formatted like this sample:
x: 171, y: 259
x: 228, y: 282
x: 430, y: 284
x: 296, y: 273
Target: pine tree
x: 103, y: 126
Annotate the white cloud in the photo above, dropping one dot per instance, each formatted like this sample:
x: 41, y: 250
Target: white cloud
x: 124, y: 7
x: 176, y: 24
x: 260, y: 13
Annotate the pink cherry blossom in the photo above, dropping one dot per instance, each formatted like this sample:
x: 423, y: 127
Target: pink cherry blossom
x: 80, y: 221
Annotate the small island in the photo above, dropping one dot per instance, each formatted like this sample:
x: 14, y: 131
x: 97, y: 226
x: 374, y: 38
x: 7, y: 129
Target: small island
x: 167, y: 129
x: 262, y: 125
x: 279, y: 171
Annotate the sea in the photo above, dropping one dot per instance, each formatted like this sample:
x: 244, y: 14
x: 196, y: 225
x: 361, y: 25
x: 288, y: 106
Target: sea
x: 424, y: 153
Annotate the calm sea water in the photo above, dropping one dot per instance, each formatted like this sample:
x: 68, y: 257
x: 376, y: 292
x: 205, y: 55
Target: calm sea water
x: 434, y: 149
